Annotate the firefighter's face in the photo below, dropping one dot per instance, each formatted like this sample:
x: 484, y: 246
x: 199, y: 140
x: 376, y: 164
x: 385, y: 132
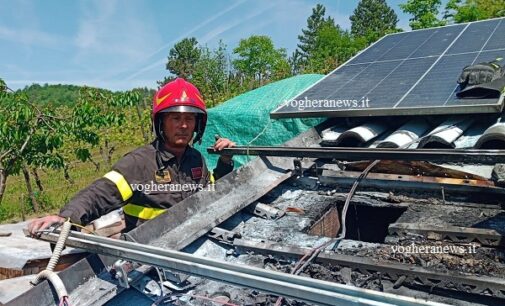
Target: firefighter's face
x: 178, y: 128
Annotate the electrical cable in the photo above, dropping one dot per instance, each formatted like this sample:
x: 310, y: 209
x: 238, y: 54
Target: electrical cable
x: 49, y: 273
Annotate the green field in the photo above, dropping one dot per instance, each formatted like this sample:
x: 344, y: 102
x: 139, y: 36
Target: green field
x: 16, y: 205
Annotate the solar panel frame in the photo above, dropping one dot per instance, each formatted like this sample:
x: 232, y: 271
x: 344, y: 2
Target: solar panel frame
x: 475, y: 36
x: 366, y: 57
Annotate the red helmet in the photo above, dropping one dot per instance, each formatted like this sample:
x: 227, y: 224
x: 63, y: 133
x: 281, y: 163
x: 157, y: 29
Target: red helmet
x: 182, y: 97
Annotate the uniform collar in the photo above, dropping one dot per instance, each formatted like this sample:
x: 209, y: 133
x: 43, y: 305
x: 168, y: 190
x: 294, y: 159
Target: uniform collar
x: 164, y: 154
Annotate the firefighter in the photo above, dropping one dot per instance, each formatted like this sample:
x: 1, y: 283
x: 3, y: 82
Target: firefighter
x: 152, y: 178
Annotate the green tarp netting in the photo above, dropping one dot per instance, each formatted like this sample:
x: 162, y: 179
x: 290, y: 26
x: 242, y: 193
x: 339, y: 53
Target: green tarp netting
x: 245, y: 119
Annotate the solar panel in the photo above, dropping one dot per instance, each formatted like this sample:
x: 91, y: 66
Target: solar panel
x: 410, y: 73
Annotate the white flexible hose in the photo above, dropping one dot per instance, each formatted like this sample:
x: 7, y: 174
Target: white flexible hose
x: 48, y: 273
x: 55, y: 280
x: 60, y: 244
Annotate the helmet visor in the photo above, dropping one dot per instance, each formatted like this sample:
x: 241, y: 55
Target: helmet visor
x: 183, y: 109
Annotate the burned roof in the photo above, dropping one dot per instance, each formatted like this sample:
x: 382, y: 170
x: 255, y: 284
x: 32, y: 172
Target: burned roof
x: 442, y: 243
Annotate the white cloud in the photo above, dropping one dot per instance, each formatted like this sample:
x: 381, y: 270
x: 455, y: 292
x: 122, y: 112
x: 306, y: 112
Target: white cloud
x: 198, y: 27
x: 86, y: 38
x: 107, y: 28
x: 92, y: 28
x: 158, y: 63
x: 233, y: 24
x: 29, y: 37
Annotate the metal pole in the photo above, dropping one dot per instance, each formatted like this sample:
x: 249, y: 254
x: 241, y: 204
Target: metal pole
x: 296, y: 287
x: 489, y: 157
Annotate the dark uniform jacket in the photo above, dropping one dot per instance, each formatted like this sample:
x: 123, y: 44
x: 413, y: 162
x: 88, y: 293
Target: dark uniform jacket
x: 144, y: 182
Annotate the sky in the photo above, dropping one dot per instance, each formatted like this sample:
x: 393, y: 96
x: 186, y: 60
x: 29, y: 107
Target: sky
x: 120, y: 45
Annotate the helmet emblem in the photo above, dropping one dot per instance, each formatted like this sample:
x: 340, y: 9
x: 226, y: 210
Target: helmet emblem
x: 184, y: 96
x: 159, y: 100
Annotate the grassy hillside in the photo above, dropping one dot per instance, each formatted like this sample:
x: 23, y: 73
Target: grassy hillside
x: 55, y: 94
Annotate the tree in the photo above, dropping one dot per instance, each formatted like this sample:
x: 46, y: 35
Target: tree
x: 424, y: 13
x: 472, y: 10
x: 373, y: 19
x: 3, y: 88
x: 143, y: 111
x: 94, y: 120
x: 183, y: 57
x: 308, y: 37
x: 332, y: 47
x: 29, y: 137
x: 211, y: 74
x: 281, y: 68
x: 324, y: 45
x: 165, y: 80
x: 295, y: 62
x: 258, y: 60
x: 53, y: 94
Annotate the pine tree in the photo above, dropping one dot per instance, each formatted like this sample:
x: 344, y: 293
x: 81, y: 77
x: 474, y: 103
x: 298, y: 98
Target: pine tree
x: 183, y: 57
x: 373, y: 19
x: 308, y: 37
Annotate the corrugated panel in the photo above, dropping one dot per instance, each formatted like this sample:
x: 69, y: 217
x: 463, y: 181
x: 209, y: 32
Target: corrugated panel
x: 457, y: 132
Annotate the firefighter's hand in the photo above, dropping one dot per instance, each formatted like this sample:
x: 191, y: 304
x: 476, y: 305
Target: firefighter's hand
x: 222, y: 143
x: 43, y: 223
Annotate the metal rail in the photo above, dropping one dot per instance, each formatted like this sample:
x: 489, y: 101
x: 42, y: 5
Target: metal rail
x: 409, y: 274
x: 296, y: 287
x: 489, y: 157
